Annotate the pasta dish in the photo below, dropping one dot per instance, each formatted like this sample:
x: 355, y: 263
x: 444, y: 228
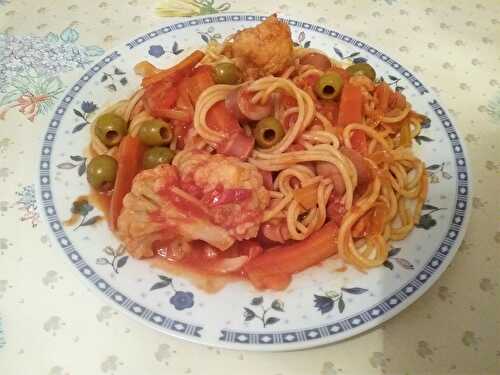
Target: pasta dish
x: 257, y: 158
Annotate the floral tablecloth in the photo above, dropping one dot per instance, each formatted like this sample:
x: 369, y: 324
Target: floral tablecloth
x: 51, y: 323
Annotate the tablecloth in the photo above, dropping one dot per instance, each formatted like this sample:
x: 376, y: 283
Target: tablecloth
x: 52, y: 324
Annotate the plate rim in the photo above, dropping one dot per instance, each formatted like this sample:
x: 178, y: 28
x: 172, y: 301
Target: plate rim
x: 329, y: 338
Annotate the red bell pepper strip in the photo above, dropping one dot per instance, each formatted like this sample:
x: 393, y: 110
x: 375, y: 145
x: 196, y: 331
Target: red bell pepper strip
x: 351, y: 105
x: 183, y: 67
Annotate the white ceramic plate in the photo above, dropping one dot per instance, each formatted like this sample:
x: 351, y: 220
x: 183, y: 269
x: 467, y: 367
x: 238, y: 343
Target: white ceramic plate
x: 320, y: 306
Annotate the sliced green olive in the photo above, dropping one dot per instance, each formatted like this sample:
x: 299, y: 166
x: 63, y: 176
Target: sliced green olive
x: 329, y: 85
x: 155, y: 132
x: 156, y: 156
x: 101, y: 172
x: 268, y: 132
x: 362, y: 68
x: 110, y: 129
x: 227, y: 74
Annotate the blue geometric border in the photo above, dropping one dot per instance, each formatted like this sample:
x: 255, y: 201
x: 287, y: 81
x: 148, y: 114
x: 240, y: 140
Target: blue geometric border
x: 238, y: 337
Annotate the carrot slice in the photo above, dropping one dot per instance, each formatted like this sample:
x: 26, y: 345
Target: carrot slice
x: 182, y: 67
x: 351, y: 105
x: 270, y: 269
x: 130, y: 155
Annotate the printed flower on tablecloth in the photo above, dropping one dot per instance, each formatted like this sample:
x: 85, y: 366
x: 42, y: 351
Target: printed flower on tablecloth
x: 189, y: 8
x: 26, y: 202
x: 30, y: 69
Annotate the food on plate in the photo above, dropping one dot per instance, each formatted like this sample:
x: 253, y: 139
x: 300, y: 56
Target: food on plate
x: 259, y: 159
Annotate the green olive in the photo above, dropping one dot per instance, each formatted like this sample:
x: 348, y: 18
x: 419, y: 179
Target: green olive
x: 329, y: 85
x: 155, y: 132
x: 110, y: 129
x: 156, y: 156
x: 362, y: 68
x: 227, y: 74
x: 268, y: 132
x: 101, y: 172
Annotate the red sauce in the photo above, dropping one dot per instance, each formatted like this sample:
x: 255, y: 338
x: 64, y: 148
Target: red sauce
x: 184, y: 205
x: 220, y: 196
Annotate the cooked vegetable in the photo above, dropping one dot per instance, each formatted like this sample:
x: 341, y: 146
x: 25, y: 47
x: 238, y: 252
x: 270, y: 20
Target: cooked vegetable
x: 351, y: 106
x: 268, y: 132
x: 155, y: 132
x: 129, y: 164
x: 239, y: 103
x: 110, y: 129
x: 160, y: 97
x: 101, y: 172
x: 175, y: 72
x: 156, y: 156
x: 227, y: 74
x: 201, y: 78
x: 318, y: 60
x: 307, y: 196
x: 362, y: 68
x: 359, y: 142
x: 220, y: 119
x: 329, y: 85
x: 273, y: 268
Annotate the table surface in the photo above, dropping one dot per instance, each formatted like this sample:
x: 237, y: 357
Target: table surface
x: 51, y: 323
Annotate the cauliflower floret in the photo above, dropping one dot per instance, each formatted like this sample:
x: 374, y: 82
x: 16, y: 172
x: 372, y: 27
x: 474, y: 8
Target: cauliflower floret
x: 213, y: 198
x: 262, y: 50
x: 216, y: 176
x: 156, y: 210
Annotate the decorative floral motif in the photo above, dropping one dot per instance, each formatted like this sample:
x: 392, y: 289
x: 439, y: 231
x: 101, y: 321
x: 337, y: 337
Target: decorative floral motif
x: 113, y: 78
x: 158, y: 51
x: 30, y: 67
x: 493, y: 108
x: 27, y: 203
x: 300, y: 39
x: 4, y: 145
x: 81, y: 208
x: 353, y: 56
x: 426, y: 220
x: 180, y: 300
x: 116, y: 255
x: 81, y: 164
x: 210, y: 35
x: 393, y: 82
x: 325, y: 303
x: 189, y: 8
x: 437, y: 170
x: 2, y: 340
x: 405, y: 263
x: 250, y: 314
x: 87, y: 108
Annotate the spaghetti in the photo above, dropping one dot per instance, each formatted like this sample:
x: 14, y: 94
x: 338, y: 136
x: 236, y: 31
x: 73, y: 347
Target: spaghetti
x: 350, y: 164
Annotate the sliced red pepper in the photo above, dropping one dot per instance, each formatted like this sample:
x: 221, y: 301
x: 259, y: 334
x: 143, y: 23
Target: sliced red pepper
x: 351, y: 105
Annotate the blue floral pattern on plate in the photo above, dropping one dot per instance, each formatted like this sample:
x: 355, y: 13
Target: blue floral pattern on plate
x: 216, y: 319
